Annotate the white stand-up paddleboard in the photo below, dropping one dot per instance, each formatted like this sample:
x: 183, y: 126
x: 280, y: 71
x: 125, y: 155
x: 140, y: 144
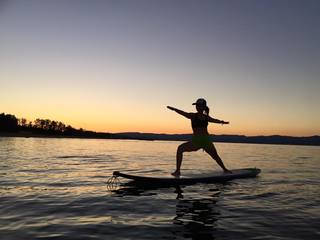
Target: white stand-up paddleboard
x: 191, y: 179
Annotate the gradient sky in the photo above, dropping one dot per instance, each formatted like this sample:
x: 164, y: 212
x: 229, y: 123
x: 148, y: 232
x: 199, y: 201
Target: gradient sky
x: 114, y: 66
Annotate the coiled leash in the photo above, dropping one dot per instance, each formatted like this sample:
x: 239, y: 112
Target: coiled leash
x: 113, y: 181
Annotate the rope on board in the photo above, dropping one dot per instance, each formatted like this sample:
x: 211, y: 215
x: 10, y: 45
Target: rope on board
x: 113, y: 182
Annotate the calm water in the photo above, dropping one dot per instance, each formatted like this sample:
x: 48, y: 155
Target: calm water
x: 56, y: 189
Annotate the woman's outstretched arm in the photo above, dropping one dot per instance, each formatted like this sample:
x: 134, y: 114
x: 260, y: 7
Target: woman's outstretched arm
x: 213, y: 120
x: 183, y: 113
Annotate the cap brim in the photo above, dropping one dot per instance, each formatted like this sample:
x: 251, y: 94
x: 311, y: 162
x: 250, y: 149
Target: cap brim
x: 200, y: 104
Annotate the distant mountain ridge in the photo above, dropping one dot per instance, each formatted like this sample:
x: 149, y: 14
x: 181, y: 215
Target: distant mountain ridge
x: 11, y: 126
x: 273, y: 139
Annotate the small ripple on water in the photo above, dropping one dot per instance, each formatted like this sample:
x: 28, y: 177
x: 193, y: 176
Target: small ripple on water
x: 259, y: 196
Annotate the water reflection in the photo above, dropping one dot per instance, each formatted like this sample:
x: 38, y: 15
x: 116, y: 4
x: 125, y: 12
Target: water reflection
x: 195, y: 217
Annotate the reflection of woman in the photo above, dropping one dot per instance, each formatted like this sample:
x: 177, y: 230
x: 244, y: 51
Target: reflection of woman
x: 201, y: 137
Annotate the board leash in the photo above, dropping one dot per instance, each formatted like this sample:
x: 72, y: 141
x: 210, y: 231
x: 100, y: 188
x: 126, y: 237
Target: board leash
x: 113, y: 182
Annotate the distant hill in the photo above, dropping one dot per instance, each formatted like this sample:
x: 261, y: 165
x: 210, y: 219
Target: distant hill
x: 274, y: 139
x: 11, y: 126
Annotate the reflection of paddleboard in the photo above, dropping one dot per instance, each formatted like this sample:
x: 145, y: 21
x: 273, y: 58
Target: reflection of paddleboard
x: 190, y: 179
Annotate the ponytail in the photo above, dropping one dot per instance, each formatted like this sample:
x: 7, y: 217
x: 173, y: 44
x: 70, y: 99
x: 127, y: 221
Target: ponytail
x: 206, y: 110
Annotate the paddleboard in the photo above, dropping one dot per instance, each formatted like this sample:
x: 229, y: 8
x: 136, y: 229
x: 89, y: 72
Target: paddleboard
x: 191, y: 178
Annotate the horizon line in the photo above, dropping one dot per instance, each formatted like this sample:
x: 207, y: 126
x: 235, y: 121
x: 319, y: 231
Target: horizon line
x: 211, y: 134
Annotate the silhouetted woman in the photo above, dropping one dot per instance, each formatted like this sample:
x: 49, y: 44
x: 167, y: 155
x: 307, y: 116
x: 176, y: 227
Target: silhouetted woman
x: 200, y: 137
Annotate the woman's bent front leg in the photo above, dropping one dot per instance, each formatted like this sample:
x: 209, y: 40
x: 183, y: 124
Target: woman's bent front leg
x: 184, y: 147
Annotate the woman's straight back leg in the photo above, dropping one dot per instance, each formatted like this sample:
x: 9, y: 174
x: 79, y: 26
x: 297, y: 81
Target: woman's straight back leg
x: 211, y: 150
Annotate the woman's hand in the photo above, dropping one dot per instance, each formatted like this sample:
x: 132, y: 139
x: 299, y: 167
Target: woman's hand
x: 171, y: 108
x: 223, y: 122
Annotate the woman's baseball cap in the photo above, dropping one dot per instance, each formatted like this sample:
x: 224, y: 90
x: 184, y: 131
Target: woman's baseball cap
x: 200, y: 102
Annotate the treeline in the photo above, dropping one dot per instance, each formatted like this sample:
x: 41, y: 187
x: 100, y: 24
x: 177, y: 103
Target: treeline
x: 10, y: 123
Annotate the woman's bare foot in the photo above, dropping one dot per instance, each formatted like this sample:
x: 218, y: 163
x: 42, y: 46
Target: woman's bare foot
x: 176, y: 174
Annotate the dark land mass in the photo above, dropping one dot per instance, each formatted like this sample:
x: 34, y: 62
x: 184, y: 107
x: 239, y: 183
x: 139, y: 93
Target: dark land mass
x: 10, y: 126
x: 274, y: 139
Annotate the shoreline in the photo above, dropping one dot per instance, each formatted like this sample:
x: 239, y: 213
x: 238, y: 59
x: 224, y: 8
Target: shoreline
x: 270, y: 140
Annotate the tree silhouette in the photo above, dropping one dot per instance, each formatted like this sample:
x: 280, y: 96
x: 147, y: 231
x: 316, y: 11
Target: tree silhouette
x: 46, y: 127
x: 8, y: 122
x: 22, y: 122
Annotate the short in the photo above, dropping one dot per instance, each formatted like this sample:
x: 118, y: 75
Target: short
x: 202, y: 141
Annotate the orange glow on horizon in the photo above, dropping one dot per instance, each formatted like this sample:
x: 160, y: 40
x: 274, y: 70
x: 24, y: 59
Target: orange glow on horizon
x: 164, y: 124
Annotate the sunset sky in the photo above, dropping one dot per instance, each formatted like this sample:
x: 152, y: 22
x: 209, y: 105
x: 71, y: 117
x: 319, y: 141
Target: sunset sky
x: 114, y: 66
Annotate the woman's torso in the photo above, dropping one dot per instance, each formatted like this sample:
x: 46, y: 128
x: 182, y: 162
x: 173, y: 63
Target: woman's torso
x: 199, y: 123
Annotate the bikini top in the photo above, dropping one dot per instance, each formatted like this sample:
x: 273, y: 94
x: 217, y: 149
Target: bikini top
x: 197, y: 122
